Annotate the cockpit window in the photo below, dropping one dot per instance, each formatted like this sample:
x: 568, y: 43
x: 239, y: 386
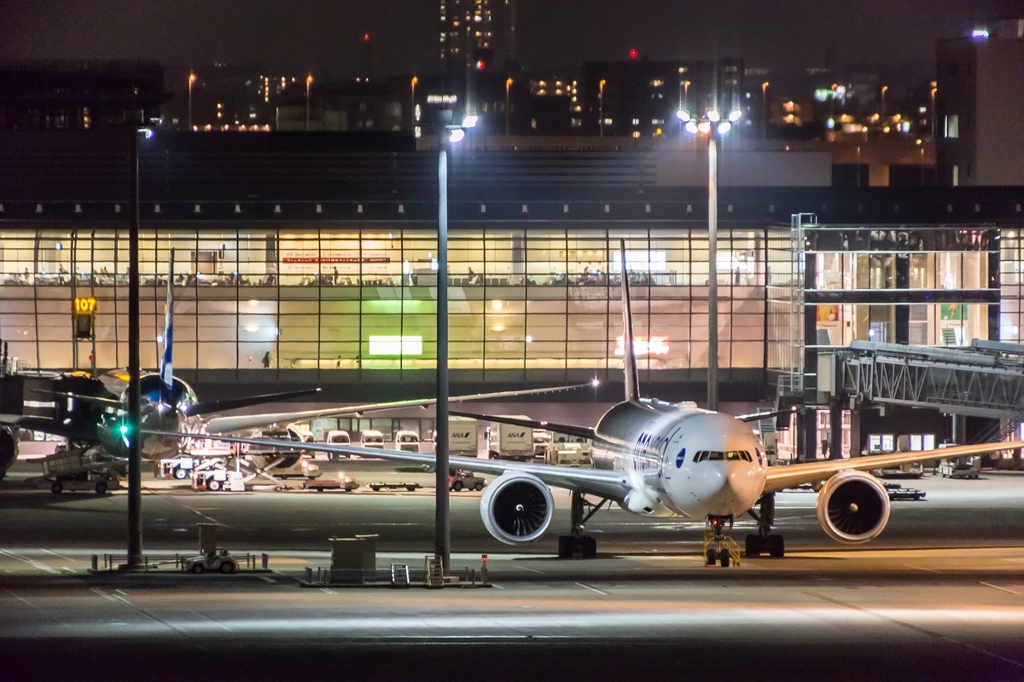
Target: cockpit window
x: 730, y: 456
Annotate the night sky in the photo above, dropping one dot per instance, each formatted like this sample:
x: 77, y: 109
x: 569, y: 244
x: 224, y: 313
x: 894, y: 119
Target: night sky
x: 325, y: 34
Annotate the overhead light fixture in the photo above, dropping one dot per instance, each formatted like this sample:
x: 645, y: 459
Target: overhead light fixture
x: 691, y: 127
x: 714, y: 116
x: 457, y: 135
x: 724, y: 127
x: 704, y: 127
x: 735, y: 115
x: 469, y: 121
x: 683, y: 115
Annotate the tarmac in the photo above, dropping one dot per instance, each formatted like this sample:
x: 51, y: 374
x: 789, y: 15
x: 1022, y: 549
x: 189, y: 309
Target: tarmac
x: 939, y: 595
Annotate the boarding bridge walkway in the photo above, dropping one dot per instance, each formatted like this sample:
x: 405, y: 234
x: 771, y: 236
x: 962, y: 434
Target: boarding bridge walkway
x: 985, y: 379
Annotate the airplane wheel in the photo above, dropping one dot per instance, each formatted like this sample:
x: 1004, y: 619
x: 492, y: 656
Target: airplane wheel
x: 101, y: 487
x: 711, y: 558
x: 56, y: 488
x: 776, y: 546
x: 725, y: 559
x: 589, y: 547
x: 180, y: 474
x: 755, y: 545
x: 213, y: 485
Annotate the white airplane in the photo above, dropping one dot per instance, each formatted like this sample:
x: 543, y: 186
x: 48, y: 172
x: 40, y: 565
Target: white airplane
x: 664, y: 459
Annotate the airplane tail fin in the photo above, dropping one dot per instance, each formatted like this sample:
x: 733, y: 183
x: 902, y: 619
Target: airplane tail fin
x: 628, y: 355
x: 166, y: 360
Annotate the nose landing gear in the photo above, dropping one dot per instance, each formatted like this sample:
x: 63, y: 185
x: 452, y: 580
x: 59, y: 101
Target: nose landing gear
x: 765, y: 540
x: 719, y: 547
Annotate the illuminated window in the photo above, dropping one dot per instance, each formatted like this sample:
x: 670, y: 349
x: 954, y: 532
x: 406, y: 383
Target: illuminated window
x: 952, y: 126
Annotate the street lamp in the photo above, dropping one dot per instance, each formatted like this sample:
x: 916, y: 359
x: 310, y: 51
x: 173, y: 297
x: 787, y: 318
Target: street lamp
x: 412, y: 108
x: 600, y: 97
x: 711, y: 126
x: 764, y: 110
x: 934, y: 90
x: 191, y: 81
x: 309, y: 81
x: 448, y: 135
x: 508, y: 85
x: 884, y: 88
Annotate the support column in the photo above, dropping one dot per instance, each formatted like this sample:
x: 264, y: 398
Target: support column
x: 902, y: 311
x: 855, y: 441
x: 835, y: 424
x: 134, y: 389
x: 807, y: 436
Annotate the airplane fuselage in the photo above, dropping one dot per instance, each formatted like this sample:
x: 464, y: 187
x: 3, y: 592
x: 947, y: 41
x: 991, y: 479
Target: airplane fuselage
x: 681, y: 460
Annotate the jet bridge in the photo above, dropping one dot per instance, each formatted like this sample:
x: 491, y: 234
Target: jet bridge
x: 985, y: 379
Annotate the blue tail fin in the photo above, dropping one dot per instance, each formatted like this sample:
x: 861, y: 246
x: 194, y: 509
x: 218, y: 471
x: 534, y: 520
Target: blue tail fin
x: 166, y: 363
x: 628, y: 354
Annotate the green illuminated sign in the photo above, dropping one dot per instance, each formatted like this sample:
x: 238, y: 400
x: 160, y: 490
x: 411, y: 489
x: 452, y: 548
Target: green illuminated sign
x: 404, y: 346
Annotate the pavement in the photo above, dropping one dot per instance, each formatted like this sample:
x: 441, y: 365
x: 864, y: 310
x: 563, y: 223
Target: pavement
x: 939, y: 595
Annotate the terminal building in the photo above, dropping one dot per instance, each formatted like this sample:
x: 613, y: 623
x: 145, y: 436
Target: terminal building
x: 302, y: 267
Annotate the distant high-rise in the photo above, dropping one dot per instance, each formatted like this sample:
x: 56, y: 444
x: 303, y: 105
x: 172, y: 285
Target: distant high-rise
x: 467, y: 26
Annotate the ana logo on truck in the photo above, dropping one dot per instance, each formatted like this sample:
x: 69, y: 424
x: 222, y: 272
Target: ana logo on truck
x: 460, y: 434
x: 517, y: 434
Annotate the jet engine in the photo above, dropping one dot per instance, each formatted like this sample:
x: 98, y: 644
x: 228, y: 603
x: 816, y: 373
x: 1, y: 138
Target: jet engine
x: 8, y: 449
x: 516, y: 508
x: 853, y: 507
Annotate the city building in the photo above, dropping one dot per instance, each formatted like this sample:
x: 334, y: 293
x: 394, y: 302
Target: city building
x: 79, y: 95
x: 979, y: 100
x: 639, y: 97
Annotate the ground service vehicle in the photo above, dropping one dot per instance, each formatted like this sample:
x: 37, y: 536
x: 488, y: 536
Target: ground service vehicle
x: 408, y: 441
x: 510, y: 441
x: 341, y: 482
x: 219, y: 561
x: 371, y: 439
x: 459, y: 480
x: 541, y: 444
x: 215, y: 480
x: 337, y: 438
x: 964, y: 467
x: 570, y: 451
x: 462, y: 437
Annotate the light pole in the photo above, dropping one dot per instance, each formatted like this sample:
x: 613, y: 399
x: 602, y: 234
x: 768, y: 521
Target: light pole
x: 447, y: 136
x: 600, y: 97
x: 412, y: 107
x: 508, y: 86
x: 309, y: 81
x: 884, y: 88
x: 764, y: 110
x: 934, y: 90
x: 132, y: 434
x: 712, y: 126
x: 191, y: 82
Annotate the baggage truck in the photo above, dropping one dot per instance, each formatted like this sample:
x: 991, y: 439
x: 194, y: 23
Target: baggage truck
x: 462, y: 437
x: 511, y: 442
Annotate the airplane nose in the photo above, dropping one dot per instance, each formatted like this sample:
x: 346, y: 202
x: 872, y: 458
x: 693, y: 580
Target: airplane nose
x: 721, y: 493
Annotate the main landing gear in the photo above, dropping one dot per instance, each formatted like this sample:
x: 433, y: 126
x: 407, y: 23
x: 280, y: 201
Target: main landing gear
x: 765, y: 540
x: 579, y: 544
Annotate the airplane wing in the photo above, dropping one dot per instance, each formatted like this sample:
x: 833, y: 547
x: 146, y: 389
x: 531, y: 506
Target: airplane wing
x: 599, y: 482
x: 232, y: 424
x: 782, y: 477
x: 568, y: 429
x: 235, y: 403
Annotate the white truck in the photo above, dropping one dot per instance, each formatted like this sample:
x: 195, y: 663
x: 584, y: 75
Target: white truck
x: 511, y: 442
x: 570, y: 451
x: 462, y: 437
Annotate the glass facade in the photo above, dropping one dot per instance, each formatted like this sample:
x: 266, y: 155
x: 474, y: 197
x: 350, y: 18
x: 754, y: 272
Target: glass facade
x: 316, y: 297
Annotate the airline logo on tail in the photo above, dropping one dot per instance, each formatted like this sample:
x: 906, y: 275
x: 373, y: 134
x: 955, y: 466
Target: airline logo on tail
x: 166, y: 362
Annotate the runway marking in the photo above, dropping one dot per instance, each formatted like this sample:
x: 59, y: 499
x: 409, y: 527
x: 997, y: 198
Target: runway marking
x: 102, y: 594
x: 32, y: 562
x: 922, y: 568
x: 326, y: 590
x: 592, y: 589
x: 268, y: 579
x: 62, y: 556
x: 996, y: 587
x: 175, y: 500
x: 916, y: 628
x: 532, y: 570
x: 22, y: 600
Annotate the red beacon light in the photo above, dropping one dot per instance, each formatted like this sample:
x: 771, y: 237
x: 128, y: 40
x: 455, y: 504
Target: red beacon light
x: 481, y: 65
x: 633, y: 53
x: 366, y: 37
